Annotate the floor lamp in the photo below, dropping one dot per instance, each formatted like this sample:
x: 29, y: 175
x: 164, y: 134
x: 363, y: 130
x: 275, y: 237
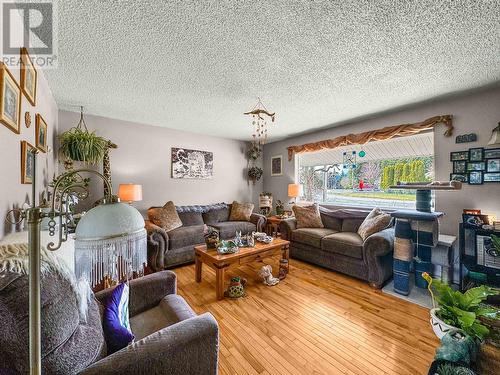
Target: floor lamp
x: 59, y: 213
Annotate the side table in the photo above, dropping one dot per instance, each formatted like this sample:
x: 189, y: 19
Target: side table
x: 273, y: 225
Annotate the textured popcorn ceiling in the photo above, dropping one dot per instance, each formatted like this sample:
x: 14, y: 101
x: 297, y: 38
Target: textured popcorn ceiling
x: 198, y: 65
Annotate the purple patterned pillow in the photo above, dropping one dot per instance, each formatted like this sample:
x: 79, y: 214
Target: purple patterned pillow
x: 115, y: 323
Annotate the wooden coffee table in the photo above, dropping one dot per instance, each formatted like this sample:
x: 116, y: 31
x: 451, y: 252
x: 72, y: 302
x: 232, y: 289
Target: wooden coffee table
x: 220, y: 263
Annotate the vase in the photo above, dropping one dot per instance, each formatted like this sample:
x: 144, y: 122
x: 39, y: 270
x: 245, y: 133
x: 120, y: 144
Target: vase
x: 439, y: 327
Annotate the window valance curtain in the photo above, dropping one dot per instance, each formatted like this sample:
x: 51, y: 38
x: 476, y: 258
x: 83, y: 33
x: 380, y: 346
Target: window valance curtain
x: 375, y: 135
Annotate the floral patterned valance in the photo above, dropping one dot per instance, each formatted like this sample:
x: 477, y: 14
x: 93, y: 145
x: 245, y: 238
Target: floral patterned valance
x: 375, y: 135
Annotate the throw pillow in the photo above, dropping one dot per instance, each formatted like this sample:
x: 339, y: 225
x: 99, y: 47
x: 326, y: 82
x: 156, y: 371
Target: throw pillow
x: 376, y: 221
x: 308, y: 216
x: 116, y: 324
x: 165, y: 217
x: 241, y: 211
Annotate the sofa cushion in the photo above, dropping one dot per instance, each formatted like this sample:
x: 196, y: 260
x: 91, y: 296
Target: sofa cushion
x: 165, y: 217
x: 307, y: 217
x: 216, y: 216
x: 376, y: 221
x: 311, y: 236
x: 185, y: 236
x: 191, y: 218
x: 228, y: 229
x: 345, y: 243
x: 241, y: 211
x: 172, y: 309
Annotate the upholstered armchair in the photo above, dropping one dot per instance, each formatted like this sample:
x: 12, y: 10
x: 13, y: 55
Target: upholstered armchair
x: 169, y: 337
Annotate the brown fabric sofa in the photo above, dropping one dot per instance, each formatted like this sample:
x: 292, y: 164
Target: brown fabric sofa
x: 176, y: 247
x: 338, y: 246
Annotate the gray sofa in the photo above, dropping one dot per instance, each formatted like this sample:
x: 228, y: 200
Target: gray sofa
x: 170, y: 337
x: 176, y: 247
x: 338, y: 247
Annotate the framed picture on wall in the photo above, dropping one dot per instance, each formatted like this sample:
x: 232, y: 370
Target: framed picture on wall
x: 492, y: 153
x: 476, y: 178
x: 28, y: 77
x: 492, y: 177
x: 10, y: 100
x: 192, y: 164
x: 459, y: 155
x: 476, y: 166
x: 27, y: 163
x: 460, y: 166
x: 277, y: 165
x: 40, y: 133
x: 493, y: 165
x: 476, y: 154
x: 462, y: 177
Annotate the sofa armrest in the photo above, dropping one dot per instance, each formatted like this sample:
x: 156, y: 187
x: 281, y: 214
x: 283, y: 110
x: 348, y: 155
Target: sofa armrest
x: 377, y: 253
x: 157, y: 246
x: 188, y: 347
x: 259, y: 221
x: 286, y: 228
x: 146, y: 292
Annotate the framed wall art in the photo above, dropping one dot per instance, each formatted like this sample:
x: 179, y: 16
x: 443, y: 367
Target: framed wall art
x: 476, y: 178
x: 27, y: 163
x: 40, y: 133
x: 493, y: 165
x: 192, y: 164
x: 476, y: 166
x: 10, y: 100
x: 28, y: 77
x: 459, y: 155
x: 476, y: 154
x: 492, y: 153
x: 277, y: 165
x: 460, y: 166
x: 492, y: 177
x: 462, y: 177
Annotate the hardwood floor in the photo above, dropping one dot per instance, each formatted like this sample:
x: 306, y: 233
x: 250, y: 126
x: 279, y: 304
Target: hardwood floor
x: 314, y: 322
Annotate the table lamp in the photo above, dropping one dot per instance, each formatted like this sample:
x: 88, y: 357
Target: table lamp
x: 130, y: 193
x: 293, y: 192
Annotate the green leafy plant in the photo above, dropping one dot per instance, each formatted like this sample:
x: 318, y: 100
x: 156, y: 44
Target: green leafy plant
x: 451, y: 369
x: 496, y: 242
x: 254, y: 152
x: 82, y: 145
x: 463, y: 310
x: 266, y: 194
x: 255, y: 173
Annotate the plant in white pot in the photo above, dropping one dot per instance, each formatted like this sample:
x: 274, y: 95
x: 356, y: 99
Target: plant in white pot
x: 458, y: 310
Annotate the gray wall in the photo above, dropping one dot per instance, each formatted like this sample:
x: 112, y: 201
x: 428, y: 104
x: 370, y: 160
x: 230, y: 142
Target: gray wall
x: 143, y: 157
x: 476, y: 112
x: 12, y: 192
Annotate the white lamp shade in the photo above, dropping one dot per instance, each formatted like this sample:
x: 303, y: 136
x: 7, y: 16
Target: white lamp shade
x: 109, y: 220
x: 130, y: 192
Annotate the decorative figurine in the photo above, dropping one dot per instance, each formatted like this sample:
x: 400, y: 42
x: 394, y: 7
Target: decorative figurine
x: 211, y: 237
x: 284, y: 266
x: 266, y: 272
x: 236, y: 288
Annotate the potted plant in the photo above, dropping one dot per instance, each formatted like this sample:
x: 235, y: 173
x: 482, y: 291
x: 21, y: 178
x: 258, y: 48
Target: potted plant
x: 255, y: 173
x: 253, y: 152
x: 79, y: 144
x: 458, y: 310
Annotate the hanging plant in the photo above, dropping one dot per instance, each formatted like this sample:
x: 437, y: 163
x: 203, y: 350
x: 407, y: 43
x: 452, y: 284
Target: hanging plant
x: 79, y: 144
x: 255, y: 173
x: 253, y: 152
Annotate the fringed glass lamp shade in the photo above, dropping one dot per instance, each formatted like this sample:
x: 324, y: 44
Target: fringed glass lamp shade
x: 110, y: 245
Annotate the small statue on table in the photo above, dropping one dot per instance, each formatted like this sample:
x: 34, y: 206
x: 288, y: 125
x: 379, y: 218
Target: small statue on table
x: 211, y: 237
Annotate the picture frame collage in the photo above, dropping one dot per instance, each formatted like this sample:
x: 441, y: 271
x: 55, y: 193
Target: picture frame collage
x: 11, y: 95
x: 476, y: 165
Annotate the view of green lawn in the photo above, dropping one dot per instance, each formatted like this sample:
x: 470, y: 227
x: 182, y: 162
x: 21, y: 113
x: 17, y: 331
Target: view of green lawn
x: 374, y: 194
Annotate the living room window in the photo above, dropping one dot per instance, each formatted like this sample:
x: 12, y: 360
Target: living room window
x: 360, y: 175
